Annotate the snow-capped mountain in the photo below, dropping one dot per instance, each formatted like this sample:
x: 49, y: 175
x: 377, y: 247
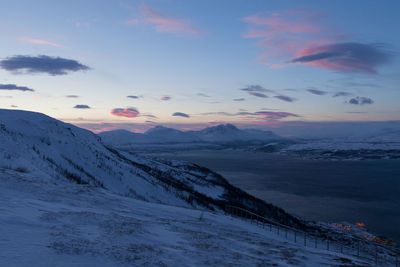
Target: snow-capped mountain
x: 221, y: 134
x: 40, y: 145
x: 229, y: 133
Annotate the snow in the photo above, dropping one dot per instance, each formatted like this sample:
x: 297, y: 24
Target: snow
x: 47, y: 223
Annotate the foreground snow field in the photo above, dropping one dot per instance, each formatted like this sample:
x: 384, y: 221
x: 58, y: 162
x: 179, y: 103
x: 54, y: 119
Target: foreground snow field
x: 59, y: 223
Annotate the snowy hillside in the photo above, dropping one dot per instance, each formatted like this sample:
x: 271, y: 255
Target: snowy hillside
x: 221, y: 134
x: 45, y: 147
x: 44, y: 222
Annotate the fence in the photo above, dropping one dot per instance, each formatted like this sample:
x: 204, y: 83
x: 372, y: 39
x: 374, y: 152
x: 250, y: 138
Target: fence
x: 374, y: 253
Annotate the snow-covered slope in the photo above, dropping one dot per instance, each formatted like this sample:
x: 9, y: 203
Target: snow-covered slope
x: 40, y: 145
x: 55, y: 223
x: 222, y: 134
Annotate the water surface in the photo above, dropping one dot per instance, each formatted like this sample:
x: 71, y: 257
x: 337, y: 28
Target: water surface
x: 334, y: 191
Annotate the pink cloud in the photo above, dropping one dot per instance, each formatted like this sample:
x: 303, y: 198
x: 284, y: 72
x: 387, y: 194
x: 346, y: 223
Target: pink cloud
x: 165, y: 97
x: 163, y: 23
x: 282, y: 34
x: 38, y: 41
x: 125, y: 112
x: 277, y: 23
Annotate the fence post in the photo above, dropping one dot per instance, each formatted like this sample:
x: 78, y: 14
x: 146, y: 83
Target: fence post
x: 358, y: 248
x: 341, y: 248
x: 327, y: 244
x: 286, y: 234
x: 295, y: 234
x: 316, y: 240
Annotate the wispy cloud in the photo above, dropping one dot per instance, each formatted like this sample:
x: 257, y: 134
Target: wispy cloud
x: 337, y: 94
x: 149, y: 116
x: 217, y: 113
x: 164, y: 23
x: 165, y: 98
x: 272, y: 115
x: 181, y: 114
x: 15, y: 87
x: 257, y: 94
x: 239, y: 99
x: 285, y: 98
x: 257, y: 88
x: 316, y: 91
x: 281, y: 34
x: 202, y: 95
x: 360, y: 100
x: 259, y: 115
x: 39, y: 41
x: 125, y: 112
x: 82, y: 107
x: 132, y: 96
x: 41, y: 64
x: 71, y: 96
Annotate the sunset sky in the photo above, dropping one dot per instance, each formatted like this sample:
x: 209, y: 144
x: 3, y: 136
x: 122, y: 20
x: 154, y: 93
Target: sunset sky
x: 190, y: 64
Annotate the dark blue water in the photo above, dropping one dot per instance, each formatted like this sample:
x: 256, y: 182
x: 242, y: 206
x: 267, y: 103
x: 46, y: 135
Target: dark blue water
x: 332, y: 191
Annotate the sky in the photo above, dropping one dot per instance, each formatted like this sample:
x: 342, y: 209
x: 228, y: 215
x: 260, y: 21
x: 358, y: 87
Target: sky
x: 129, y: 64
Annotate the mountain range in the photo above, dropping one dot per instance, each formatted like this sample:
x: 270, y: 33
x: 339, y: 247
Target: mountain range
x: 221, y: 134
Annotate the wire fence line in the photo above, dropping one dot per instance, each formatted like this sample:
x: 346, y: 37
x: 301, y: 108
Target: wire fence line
x: 374, y: 253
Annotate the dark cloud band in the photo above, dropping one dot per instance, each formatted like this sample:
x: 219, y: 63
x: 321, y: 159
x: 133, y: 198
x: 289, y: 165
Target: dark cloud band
x: 15, y: 87
x: 181, y: 114
x: 82, y: 107
x: 41, y: 64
